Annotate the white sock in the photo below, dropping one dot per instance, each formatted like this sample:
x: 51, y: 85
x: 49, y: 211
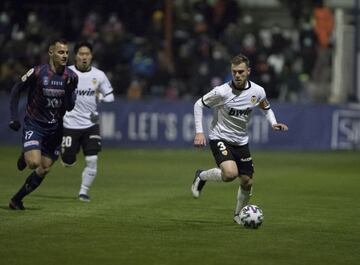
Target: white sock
x: 243, y: 198
x: 88, y: 174
x: 213, y: 174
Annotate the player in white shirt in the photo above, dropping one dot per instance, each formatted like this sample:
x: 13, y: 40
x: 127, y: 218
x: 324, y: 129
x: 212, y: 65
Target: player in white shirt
x: 232, y: 104
x: 81, y: 128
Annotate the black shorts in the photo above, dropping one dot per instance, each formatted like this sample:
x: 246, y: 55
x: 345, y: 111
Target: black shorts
x: 88, y: 139
x: 223, y: 151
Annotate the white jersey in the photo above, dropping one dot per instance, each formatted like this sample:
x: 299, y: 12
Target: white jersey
x: 90, y: 83
x: 232, y: 109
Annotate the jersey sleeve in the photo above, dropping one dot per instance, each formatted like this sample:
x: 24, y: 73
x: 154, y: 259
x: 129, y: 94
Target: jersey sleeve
x: 105, y: 87
x: 72, y: 81
x: 24, y: 83
x: 29, y: 77
x: 213, y: 98
x: 264, y: 103
x: 70, y: 95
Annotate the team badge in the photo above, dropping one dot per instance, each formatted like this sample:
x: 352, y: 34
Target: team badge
x: 45, y: 80
x: 253, y: 99
x: 94, y: 81
x: 225, y: 152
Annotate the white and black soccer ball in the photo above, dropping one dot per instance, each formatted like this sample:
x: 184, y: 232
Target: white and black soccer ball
x: 251, y: 216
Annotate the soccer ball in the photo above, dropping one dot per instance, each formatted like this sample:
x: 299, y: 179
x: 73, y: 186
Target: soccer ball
x: 251, y: 216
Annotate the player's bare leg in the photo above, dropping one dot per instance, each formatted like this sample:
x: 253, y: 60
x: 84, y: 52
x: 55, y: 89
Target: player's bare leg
x: 33, y: 180
x: 227, y: 172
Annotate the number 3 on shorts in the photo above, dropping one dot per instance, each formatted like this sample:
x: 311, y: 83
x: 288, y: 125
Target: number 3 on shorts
x: 221, y: 146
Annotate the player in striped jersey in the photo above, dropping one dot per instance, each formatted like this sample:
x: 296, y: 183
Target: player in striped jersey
x: 51, y: 92
x: 81, y: 128
x: 232, y: 104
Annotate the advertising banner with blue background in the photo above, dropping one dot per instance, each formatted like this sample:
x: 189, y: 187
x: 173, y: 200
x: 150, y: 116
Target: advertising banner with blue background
x: 170, y: 124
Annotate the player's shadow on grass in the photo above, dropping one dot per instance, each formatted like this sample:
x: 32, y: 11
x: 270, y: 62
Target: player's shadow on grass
x: 57, y: 197
x: 6, y: 208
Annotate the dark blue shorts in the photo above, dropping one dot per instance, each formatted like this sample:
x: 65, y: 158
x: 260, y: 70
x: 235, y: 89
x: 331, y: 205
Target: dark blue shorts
x: 43, y: 137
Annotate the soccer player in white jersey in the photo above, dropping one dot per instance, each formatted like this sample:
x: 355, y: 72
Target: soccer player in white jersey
x: 232, y: 104
x: 81, y: 128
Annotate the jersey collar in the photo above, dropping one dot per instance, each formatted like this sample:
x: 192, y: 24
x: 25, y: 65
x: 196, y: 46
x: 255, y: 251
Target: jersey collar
x: 82, y: 71
x: 232, y: 85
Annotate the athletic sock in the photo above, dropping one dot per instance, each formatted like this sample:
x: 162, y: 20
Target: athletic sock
x: 88, y: 174
x: 243, y: 197
x: 213, y: 174
x: 31, y: 183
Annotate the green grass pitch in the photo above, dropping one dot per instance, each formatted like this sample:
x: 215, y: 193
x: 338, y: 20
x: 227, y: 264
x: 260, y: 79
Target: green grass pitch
x: 142, y: 212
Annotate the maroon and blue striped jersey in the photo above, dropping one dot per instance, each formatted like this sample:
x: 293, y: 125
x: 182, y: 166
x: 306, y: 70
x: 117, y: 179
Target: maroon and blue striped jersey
x: 50, y: 94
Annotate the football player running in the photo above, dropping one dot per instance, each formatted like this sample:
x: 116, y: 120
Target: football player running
x: 232, y: 104
x: 51, y: 92
x: 81, y: 128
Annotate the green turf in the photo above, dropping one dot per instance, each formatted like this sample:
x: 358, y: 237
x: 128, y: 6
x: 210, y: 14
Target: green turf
x: 142, y: 212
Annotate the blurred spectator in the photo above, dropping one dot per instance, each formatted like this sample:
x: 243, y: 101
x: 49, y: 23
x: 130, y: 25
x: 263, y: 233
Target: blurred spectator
x: 323, y: 28
x: 135, y: 90
x: 324, y: 24
x: 264, y: 75
x: 224, y: 13
x: 90, y: 27
x: 308, y: 43
x: 159, y: 81
x: 155, y: 32
x: 5, y: 28
x: 128, y: 39
x: 203, y: 8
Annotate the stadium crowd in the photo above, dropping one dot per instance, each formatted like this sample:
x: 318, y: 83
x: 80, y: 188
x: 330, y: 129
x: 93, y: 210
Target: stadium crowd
x: 129, y: 44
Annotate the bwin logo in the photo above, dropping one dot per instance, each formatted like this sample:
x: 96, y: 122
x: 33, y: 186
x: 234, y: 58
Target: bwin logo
x: 239, y: 112
x: 85, y: 92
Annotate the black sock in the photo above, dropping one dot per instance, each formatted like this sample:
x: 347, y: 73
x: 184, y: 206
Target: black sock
x: 32, y: 182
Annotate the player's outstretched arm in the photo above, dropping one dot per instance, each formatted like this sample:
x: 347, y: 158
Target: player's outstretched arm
x: 199, y: 139
x: 270, y: 116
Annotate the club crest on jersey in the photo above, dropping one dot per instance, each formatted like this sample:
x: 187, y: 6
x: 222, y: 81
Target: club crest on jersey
x: 253, y: 99
x: 224, y: 153
x: 45, y: 80
x: 94, y: 81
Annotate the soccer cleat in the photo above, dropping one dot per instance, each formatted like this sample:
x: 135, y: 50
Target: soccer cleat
x: 16, y: 205
x: 237, y: 219
x: 84, y: 197
x: 197, y: 185
x: 21, y: 164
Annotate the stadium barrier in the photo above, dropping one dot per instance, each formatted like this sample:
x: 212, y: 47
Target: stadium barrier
x: 170, y: 124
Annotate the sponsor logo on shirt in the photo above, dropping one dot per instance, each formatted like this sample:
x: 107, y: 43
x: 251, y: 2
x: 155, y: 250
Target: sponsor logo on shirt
x: 239, y: 112
x: 52, y: 92
x: 85, y: 92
